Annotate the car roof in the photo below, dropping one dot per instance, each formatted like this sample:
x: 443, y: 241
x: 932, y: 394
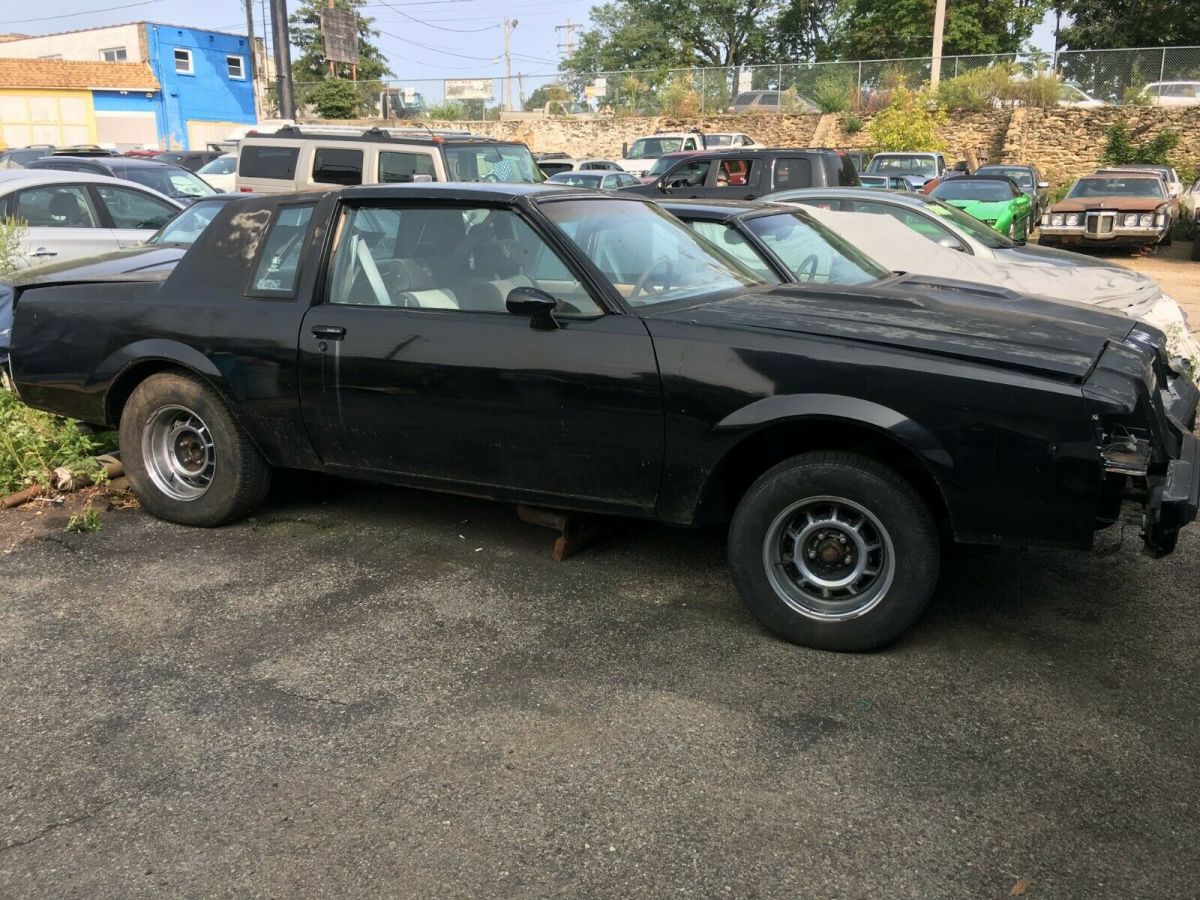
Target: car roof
x: 900, y: 198
x: 460, y: 190
x: 15, y: 179
x: 722, y: 210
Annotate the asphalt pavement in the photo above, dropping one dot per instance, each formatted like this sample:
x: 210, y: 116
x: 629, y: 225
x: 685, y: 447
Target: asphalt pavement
x: 368, y: 691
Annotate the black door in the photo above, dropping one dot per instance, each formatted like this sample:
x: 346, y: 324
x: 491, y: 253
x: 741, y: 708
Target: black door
x: 414, y: 367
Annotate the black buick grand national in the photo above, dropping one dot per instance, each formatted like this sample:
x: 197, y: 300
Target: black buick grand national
x: 585, y: 351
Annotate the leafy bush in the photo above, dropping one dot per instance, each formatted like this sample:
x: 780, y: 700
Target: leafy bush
x: 832, y: 94
x: 33, y: 444
x: 851, y: 124
x: 1003, y: 84
x: 445, y: 112
x: 1120, y: 148
x: 11, y: 232
x: 335, y: 98
x: 679, y: 97
x: 909, y: 122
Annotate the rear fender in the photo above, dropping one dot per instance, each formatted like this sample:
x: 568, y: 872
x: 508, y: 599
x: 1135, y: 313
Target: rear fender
x: 123, y: 370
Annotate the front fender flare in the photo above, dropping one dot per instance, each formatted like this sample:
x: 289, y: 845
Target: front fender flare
x: 835, y: 407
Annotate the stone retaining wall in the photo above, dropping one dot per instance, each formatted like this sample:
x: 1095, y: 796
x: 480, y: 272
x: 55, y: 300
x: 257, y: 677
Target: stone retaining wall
x: 1064, y: 143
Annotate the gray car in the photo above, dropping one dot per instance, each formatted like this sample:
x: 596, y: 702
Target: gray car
x: 935, y: 220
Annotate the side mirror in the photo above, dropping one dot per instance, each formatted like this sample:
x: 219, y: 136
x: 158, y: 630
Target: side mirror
x: 537, y: 304
x: 1042, y: 185
x: 664, y: 185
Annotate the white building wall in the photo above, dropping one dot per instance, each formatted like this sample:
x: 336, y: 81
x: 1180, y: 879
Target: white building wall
x: 85, y: 45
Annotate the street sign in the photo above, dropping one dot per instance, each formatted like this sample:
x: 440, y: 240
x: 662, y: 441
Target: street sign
x: 599, y: 87
x: 468, y: 88
x: 745, y: 81
x: 340, y: 28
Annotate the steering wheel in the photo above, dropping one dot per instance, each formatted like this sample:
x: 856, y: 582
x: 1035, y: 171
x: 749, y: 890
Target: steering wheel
x: 639, y: 286
x: 490, y: 177
x: 808, y: 269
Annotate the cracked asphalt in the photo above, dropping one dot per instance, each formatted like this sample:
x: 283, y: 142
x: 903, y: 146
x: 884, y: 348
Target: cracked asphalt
x: 370, y: 692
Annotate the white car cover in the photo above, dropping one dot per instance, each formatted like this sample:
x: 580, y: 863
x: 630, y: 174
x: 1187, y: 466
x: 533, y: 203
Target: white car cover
x: 897, y: 247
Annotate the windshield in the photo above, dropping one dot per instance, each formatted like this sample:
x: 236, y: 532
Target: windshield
x: 649, y: 257
x: 492, y: 162
x: 873, y: 181
x: 1023, y: 177
x: 903, y: 164
x: 653, y: 148
x: 1118, y: 187
x: 662, y: 164
x: 812, y: 252
x: 579, y: 179
x: 979, y: 191
x: 188, y: 225
x: 179, y: 184
x: 985, y: 234
x: 222, y: 165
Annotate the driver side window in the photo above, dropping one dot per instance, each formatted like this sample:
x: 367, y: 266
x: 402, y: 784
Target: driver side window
x: 447, y: 258
x: 689, y: 175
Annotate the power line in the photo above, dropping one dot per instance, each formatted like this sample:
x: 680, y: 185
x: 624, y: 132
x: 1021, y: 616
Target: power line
x: 85, y: 12
x: 438, y: 27
x: 430, y: 47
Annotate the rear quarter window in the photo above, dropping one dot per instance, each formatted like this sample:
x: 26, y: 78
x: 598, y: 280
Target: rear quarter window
x: 268, y: 162
x: 337, y: 165
x: 278, y: 266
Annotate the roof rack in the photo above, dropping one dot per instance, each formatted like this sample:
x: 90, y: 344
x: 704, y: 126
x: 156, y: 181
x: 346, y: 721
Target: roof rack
x: 376, y: 131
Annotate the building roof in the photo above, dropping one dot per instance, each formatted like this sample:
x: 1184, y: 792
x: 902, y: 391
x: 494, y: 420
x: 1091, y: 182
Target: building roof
x: 30, y: 37
x: 12, y: 37
x: 75, y: 75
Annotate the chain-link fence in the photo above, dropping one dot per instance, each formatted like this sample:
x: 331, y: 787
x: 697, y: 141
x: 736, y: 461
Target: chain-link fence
x: 1168, y: 76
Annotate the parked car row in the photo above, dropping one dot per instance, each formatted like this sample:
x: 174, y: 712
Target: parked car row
x: 849, y: 379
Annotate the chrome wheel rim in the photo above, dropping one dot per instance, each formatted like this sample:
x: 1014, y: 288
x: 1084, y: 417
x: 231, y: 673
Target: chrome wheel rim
x: 829, y: 558
x: 178, y: 450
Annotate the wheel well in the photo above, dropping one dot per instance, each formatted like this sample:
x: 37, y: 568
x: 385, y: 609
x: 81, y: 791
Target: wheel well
x: 121, y: 389
x: 771, y: 445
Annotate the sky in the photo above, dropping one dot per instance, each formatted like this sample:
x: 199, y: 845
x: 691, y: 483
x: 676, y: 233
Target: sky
x: 422, y: 39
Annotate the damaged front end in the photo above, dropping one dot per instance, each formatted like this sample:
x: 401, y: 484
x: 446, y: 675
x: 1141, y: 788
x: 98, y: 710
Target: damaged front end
x: 1143, y: 407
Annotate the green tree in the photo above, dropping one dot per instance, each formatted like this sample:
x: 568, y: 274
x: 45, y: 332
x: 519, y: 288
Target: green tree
x: 335, y: 98
x: 886, y: 29
x: 805, y: 29
x: 661, y: 34
x: 310, y: 68
x: 547, y: 93
x: 1105, y: 24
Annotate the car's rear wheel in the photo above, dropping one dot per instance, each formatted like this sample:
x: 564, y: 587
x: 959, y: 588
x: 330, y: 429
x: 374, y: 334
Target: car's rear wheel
x: 188, y: 459
x: 834, y: 550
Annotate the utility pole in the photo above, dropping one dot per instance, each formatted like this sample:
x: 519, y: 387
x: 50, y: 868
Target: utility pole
x: 509, y: 25
x: 521, y: 90
x: 569, y: 43
x: 332, y: 68
x: 253, y: 54
x: 283, y: 59
x: 939, y: 26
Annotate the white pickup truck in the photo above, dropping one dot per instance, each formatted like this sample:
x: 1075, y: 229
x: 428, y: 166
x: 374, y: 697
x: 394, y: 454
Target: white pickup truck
x: 639, y: 157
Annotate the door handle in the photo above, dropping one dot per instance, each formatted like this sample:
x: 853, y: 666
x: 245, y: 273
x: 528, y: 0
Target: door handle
x: 42, y: 251
x: 329, y: 332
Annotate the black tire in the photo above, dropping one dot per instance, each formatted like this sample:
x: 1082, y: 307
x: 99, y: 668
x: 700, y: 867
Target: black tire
x: 892, y: 512
x: 1196, y: 244
x: 228, y: 476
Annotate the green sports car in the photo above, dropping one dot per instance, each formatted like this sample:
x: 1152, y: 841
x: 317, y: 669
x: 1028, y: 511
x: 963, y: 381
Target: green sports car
x: 992, y: 199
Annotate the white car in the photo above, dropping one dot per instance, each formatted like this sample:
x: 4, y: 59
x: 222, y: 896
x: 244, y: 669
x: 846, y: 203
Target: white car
x: 1072, y: 95
x: 221, y: 173
x: 71, y: 215
x: 1173, y: 93
x: 554, y: 164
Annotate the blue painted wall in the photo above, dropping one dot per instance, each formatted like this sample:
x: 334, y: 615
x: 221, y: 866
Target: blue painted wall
x: 208, y: 94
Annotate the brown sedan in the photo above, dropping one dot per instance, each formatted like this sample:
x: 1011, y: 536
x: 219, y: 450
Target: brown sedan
x: 1110, y: 211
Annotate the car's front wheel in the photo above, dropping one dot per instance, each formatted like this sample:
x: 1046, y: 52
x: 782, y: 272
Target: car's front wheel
x: 834, y: 550
x: 188, y: 459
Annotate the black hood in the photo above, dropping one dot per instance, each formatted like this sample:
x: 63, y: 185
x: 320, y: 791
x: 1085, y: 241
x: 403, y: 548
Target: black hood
x: 930, y: 316
x: 144, y: 261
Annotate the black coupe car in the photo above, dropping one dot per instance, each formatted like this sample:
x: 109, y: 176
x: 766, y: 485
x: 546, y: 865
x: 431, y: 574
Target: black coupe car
x: 582, y: 351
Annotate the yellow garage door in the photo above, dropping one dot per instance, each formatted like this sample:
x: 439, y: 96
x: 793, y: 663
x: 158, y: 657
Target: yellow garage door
x: 46, y: 117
